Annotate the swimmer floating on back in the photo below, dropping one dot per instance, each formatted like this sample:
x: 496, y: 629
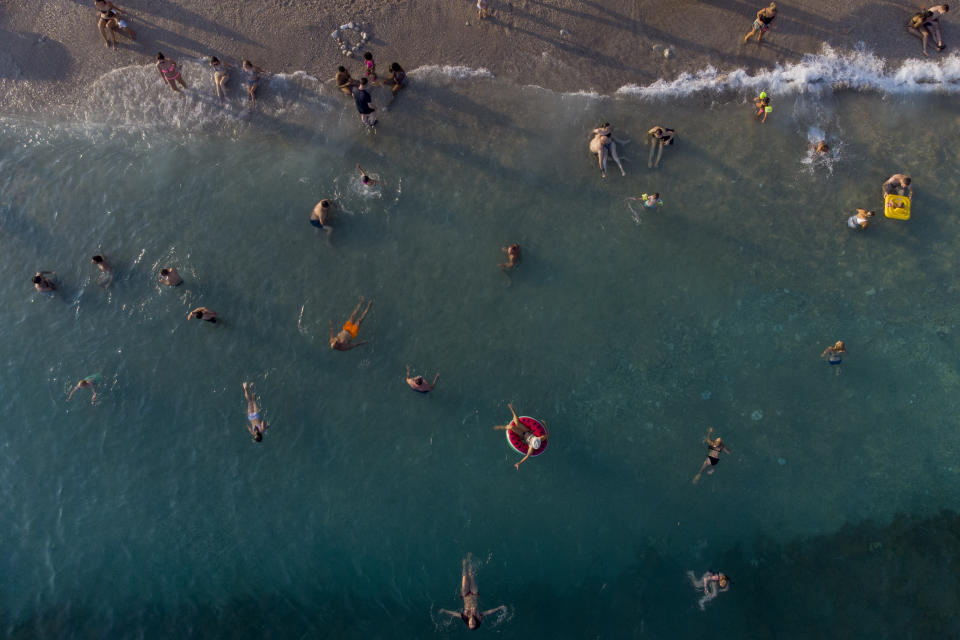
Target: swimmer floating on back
x: 350, y: 330
x: 711, y: 583
x: 419, y: 383
x: 834, y: 354
x: 659, y: 137
x: 861, y: 220
x: 471, y: 614
x: 257, y: 425
x: 522, y: 431
x: 714, y: 447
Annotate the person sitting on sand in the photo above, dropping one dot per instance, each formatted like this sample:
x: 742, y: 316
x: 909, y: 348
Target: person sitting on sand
x: 861, y: 220
x: 898, y: 184
x: 169, y: 72
x: 202, y: 313
x: 762, y: 104
x: 926, y: 23
x: 471, y: 614
x: 763, y: 22
x: 221, y: 75
x: 251, y: 79
x: 366, y: 180
x: 257, y: 425
x: 398, y: 78
x: 106, y: 271
x: 170, y: 277
x: 659, y: 137
x: 350, y: 330
x: 513, y: 256
x: 343, y: 80
x: 714, y: 447
x: 320, y: 215
x: 834, y: 354
x: 86, y: 383
x: 419, y: 383
x: 42, y: 283
x: 112, y: 19
x: 523, y: 432
x: 709, y: 582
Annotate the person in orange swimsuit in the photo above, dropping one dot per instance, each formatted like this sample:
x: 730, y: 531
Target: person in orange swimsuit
x: 471, y: 614
x: 350, y: 330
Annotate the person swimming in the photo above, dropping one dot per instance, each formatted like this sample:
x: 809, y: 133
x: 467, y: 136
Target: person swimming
x: 419, y: 383
x: 711, y: 583
x: 714, y: 448
x: 861, y: 220
x: 471, y: 614
x: 350, y: 330
x: 834, y: 354
x: 257, y: 425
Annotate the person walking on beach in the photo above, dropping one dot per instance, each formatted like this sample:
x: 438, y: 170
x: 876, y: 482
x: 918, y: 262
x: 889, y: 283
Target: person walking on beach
x: 898, y: 184
x: 362, y: 97
x: 350, y: 330
x: 370, y: 65
x: 926, y: 23
x: 834, y: 354
x: 42, y: 283
x: 523, y: 432
x: 106, y: 271
x: 257, y: 425
x: 763, y: 22
x: 343, y: 80
x: 202, y: 313
x: 169, y: 72
x: 251, y: 79
x: 320, y: 215
x: 86, y: 383
x: 659, y: 137
x: 419, y: 383
x: 711, y: 583
x: 170, y: 277
x: 221, y: 75
x: 471, y: 614
x: 861, y: 220
x: 714, y: 447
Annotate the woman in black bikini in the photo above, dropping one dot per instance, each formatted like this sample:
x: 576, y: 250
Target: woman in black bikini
x: 471, y: 614
x: 714, y: 447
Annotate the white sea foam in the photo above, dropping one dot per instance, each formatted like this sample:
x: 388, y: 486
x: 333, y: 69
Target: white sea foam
x: 826, y: 70
x: 453, y: 72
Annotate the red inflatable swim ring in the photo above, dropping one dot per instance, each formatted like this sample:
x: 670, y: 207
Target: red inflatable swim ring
x: 522, y: 447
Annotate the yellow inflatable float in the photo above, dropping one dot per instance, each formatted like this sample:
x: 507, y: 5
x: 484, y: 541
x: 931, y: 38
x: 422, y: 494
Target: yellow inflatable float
x: 897, y: 207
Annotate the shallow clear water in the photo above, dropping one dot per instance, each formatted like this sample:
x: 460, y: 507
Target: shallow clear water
x: 630, y: 331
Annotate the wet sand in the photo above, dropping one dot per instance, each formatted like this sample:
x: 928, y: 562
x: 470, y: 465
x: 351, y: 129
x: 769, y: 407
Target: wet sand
x: 50, y: 49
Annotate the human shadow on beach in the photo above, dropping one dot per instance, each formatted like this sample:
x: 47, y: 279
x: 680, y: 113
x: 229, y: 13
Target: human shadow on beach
x: 166, y: 10
x: 34, y: 56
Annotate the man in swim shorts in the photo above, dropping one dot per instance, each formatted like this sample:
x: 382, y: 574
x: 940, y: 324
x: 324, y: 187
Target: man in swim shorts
x: 898, y: 184
x: 362, y: 99
x: 350, y: 330
x: 763, y: 22
x: 419, y: 383
x: 714, y: 448
x: 257, y: 425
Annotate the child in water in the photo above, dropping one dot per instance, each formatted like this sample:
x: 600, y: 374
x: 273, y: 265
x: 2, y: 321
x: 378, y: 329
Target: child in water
x: 762, y: 103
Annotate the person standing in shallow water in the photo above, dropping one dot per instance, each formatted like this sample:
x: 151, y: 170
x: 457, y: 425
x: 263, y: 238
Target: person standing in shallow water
x: 350, y: 330
x: 763, y: 22
x: 419, y: 383
x: 471, y: 614
x: 170, y: 72
x: 714, y: 447
x: 257, y: 425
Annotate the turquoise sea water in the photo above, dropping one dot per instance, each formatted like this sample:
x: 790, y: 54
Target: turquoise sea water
x: 629, y: 331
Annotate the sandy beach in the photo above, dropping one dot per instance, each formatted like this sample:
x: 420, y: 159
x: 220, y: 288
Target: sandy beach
x: 51, y: 49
